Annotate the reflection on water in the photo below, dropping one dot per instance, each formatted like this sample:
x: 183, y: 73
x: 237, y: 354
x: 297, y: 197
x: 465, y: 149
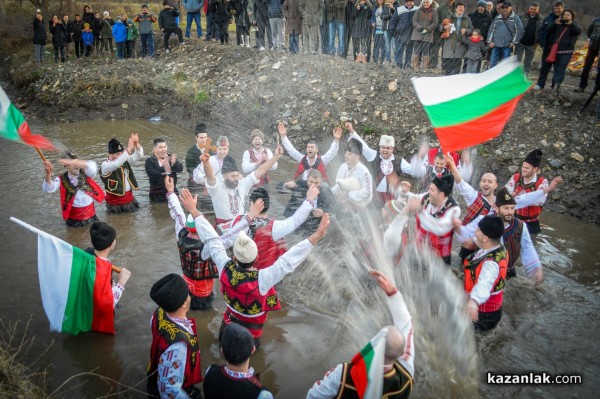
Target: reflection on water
x: 552, y: 329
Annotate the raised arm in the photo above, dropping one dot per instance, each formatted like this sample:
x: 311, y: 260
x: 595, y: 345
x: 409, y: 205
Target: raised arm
x: 282, y: 228
x: 175, y: 209
x: 289, y: 147
x: 367, y: 151
x: 264, y: 168
x: 211, y: 180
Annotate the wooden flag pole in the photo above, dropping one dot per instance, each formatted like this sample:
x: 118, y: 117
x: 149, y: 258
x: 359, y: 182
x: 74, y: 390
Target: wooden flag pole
x: 116, y: 269
x: 40, y: 154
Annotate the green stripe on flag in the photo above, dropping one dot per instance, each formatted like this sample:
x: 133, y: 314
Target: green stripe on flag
x: 14, y: 119
x: 480, y: 102
x: 80, y: 301
x: 367, y: 353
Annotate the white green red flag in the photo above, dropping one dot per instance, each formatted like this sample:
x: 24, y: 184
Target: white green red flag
x: 14, y: 127
x: 470, y: 109
x: 76, y: 286
x: 367, y: 367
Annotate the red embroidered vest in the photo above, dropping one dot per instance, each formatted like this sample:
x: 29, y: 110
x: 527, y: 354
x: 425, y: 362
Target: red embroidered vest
x: 472, y: 268
x: 68, y: 191
x: 512, y: 241
x: 442, y: 244
x: 479, y: 207
x: 530, y: 213
x: 303, y: 165
x: 266, y: 179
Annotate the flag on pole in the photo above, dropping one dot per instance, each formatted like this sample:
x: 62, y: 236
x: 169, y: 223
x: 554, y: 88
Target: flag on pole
x: 470, y: 109
x: 14, y: 127
x: 76, y: 286
x: 367, y: 367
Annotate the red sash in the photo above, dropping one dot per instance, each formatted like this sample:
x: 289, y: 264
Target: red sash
x: 71, y: 212
x: 119, y: 199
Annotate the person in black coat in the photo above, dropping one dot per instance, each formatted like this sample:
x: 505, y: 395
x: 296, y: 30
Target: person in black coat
x: 222, y: 19
x: 160, y: 164
x: 69, y: 25
x: 261, y: 14
x: 77, y: 37
x: 59, y: 37
x: 39, y: 36
x: 88, y: 15
x: 96, y: 26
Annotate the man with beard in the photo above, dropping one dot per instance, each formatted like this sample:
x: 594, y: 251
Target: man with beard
x: 228, y: 195
x: 312, y: 159
x: 216, y: 161
x: 528, y: 181
x: 517, y: 240
x: 159, y: 165
x: 256, y: 156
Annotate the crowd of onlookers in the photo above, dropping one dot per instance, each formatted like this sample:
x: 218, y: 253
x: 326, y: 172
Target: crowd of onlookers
x: 404, y: 35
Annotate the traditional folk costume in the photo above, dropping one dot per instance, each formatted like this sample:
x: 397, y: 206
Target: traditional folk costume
x: 248, y: 292
x: 216, y: 162
x: 324, y: 201
x: 77, y: 195
x: 517, y: 186
x: 199, y: 271
x: 485, y: 275
x: 230, y: 202
x: 174, y: 366
x: 222, y: 383
x: 354, y: 184
x: 305, y: 164
x: 268, y: 234
x: 119, y: 180
x: 252, y: 159
x: 192, y: 158
x: 157, y: 169
x: 397, y: 380
x: 517, y: 240
x: 382, y: 168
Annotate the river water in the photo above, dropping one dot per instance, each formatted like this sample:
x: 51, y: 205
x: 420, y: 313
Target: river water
x: 552, y: 329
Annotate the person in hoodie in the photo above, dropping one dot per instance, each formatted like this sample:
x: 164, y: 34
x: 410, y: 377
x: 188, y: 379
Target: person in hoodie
x: 312, y: 14
x: 167, y: 23
x: 361, y: 29
x: 39, y: 36
x: 277, y: 23
x: 77, y: 39
x: 193, y: 14
x: 401, y: 30
x: 87, y: 37
x: 145, y: 19
x: 59, y: 37
x: 132, y: 36
x: 504, y: 35
x: 119, y: 32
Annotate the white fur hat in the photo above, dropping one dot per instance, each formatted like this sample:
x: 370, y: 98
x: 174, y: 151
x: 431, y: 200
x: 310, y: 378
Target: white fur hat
x: 387, y: 141
x: 244, y: 249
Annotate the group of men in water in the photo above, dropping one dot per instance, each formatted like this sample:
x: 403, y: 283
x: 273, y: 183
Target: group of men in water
x: 498, y: 227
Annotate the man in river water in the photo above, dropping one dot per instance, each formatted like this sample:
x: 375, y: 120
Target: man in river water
x: 398, y: 361
x: 159, y: 165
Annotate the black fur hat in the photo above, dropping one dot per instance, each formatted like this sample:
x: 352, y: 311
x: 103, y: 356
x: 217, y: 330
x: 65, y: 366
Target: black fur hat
x: 503, y: 197
x: 170, y: 292
x: 102, y: 235
x: 229, y: 165
x: 534, y: 158
x: 236, y: 343
x: 115, y: 146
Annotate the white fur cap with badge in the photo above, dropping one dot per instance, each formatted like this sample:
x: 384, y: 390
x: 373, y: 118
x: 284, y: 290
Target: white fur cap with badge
x: 244, y: 249
x: 387, y: 141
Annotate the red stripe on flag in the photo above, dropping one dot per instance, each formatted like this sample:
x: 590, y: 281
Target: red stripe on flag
x: 104, y: 315
x: 477, y: 131
x: 359, y: 374
x: 34, y: 140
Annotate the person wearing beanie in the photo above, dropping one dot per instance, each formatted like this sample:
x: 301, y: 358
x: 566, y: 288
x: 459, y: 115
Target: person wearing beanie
x: 485, y: 274
x: 526, y: 181
x: 106, y: 35
x: 383, y: 164
x: 353, y: 183
x: 103, y: 237
x: 77, y: 187
x: 398, y: 357
x: 235, y: 379
x: 199, y: 271
x: 435, y: 212
x: 216, y: 161
x: 312, y: 159
x: 174, y: 367
x: 256, y: 156
x: 517, y: 240
x: 228, y: 194
x: 158, y: 165
x: 118, y: 177
x: 192, y: 158
x: 269, y: 234
x: 245, y: 289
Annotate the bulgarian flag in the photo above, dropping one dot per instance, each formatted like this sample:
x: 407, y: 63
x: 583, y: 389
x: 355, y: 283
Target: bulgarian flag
x: 470, y: 109
x: 14, y: 127
x: 76, y: 286
x: 367, y: 367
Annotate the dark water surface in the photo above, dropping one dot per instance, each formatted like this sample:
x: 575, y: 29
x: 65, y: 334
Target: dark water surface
x: 552, y: 329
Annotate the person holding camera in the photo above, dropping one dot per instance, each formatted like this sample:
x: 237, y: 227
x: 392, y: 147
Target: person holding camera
x: 59, y: 37
x: 145, y: 19
x: 167, y: 22
x: 562, y: 36
x: 39, y: 36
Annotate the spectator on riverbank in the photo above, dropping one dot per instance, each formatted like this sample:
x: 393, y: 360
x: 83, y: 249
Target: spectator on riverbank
x: 132, y: 36
x: 96, y: 28
x: 119, y: 31
x: 168, y: 24
x: 69, y: 26
x: 59, y: 37
x: 193, y: 14
x: 88, y: 39
x: 77, y: 39
x: 145, y: 19
x: 39, y: 36
x: 106, y: 37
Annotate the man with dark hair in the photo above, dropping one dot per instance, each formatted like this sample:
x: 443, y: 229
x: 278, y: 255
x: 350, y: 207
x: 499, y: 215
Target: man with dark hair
x: 215, y: 160
x: 528, y: 181
x: 256, y: 156
x: 168, y: 24
x: 174, y: 367
x: 104, y: 239
x: 398, y: 361
x: 544, y: 40
x: 117, y: 175
x: 353, y: 183
x: 160, y: 164
x: 248, y: 292
x: 78, y: 190
x: 236, y: 379
x: 312, y: 159
x: 532, y: 24
x: 192, y: 158
x: 485, y: 274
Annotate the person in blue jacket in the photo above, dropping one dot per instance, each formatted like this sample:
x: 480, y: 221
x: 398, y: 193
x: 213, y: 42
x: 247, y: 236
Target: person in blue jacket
x: 119, y: 31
